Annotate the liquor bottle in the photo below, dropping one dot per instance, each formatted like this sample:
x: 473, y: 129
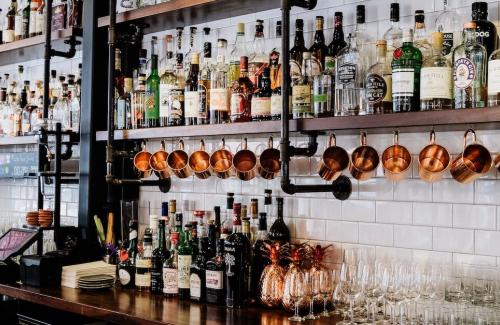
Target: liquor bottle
x: 191, y: 50
x: 494, y: 79
x: 258, y: 60
x: 436, y: 87
x: 132, y: 240
x: 61, y: 109
x: 204, y: 80
x: 158, y: 258
x: 174, y: 90
x: 241, y: 95
x: 319, y: 49
x: 34, y: 4
x: 184, y: 260
x: 268, y: 204
x: 258, y: 261
x: 279, y: 231
x: 450, y: 23
x: 323, y: 90
x: 337, y: 44
x: 118, y: 75
x: 237, y: 258
x: 18, y: 22
x: 175, y: 219
x: 75, y: 11
x: 152, y: 101
x: 125, y: 270
x: 275, y: 74
x: 406, y: 65
x: 26, y: 114
x: 254, y: 221
x: 153, y: 229
x: 219, y: 103
x: 193, y: 240
x: 486, y: 31
x: 214, y: 276
x: 201, y: 227
x: 394, y: 35
x: 170, y: 268
x: 59, y: 15
x: 421, y: 38
x: 123, y: 105
x: 179, y: 54
x: 301, y: 90
x: 167, y: 82
x: 261, y: 99
x: 197, y: 277
x: 239, y: 50
x: 365, y: 43
x: 17, y: 115
x: 245, y: 227
x: 212, y: 239
x: 349, y: 79
x: 25, y: 20
x: 8, y: 35
x: 143, y: 264
x: 296, y: 52
x: 227, y: 224
x: 378, y: 83
x: 469, y: 70
x: 75, y: 106
x: 40, y: 19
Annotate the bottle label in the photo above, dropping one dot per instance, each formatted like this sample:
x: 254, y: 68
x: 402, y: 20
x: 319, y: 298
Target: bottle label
x: 18, y: 29
x: 195, y: 285
x: 301, y: 99
x: 494, y: 77
x: 435, y: 83
x: 295, y: 71
x: 214, y: 279
x: 329, y: 63
x: 184, y: 266
x: 143, y: 280
x: 151, y: 112
x: 315, y: 66
x: 403, y: 82
x: 276, y: 104
x: 203, y: 97
x: 120, y: 113
x: 320, y: 98
x: 32, y: 23
x: 40, y: 21
x: 464, y: 73
x: 388, y: 83
x: 132, y: 235
x: 346, y: 73
x: 447, y: 43
x: 124, y: 277
x: 238, y: 106
x: 376, y: 88
x: 170, y: 281
x: 255, y: 70
x: 143, y: 263
x: 192, y: 103
x: 175, y: 103
x: 218, y: 99
x: 261, y: 106
x: 8, y: 36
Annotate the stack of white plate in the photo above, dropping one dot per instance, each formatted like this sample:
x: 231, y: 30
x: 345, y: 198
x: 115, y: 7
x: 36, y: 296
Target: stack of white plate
x: 96, y: 282
x: 71, y: 274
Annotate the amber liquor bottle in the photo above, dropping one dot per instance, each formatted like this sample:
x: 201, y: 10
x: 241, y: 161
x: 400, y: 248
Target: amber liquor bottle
x: 296, y: 52
x: 261, y: 99
x: 241, y: 95
x: 214, y: 276
x: 319, y: 48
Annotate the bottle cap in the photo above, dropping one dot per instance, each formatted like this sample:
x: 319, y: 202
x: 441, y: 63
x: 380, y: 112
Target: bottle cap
x: 360, y: 14
x: 221, y: 42
x: 394, y: 12
x: 172, y: 206
x: 419, y: 16
x: 195, y: 58
x: 299, y: 24
x: 240, y: 29
x: 179, y: 29
x: 193, y: 29
x: 164, y: 208
x: 206, y: 30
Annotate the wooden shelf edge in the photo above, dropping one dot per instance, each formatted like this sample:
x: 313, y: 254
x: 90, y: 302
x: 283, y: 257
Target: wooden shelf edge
x: 40, y: 39
x: 10, y: 141
x: 487, y: 118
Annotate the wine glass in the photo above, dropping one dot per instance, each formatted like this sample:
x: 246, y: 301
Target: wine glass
x: 395, y: 289
x: 352, y: 285
x: 297, y: 292
x: 312, y: 290
x: 325, y: 279
x: 374, y: 289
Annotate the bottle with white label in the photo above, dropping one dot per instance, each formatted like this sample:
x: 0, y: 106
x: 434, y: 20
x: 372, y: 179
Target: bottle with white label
x: 469, y: 71
x: 143, y: 263
x: 436, y: 91
x: 219, y: 96
x: 378, y: 83
x: 214, y: 276
x: 191, y: 93
x: 261, y: 99
x: 184, y: 260
x: 450, y: 23
x: 170, y: 272
x: 494, y: 79
x: 301, y: 90
x: 406, y: 65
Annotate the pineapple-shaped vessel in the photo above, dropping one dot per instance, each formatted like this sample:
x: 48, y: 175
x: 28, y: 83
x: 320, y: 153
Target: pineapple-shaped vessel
x: 272, y: 280
x: 299, y: 255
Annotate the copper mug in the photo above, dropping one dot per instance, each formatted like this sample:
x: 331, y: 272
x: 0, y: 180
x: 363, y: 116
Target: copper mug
x: 364, y: 161
x: 141, y: 162
x: 269, y: 161
x: 158, y: 162
x: 496, y: 162
x: 334, y: 160
x: 178, y: 162
x: 245, y: 163
x: 199, y: 162
x: 433, y: 160
x: 221, y: 162
x: 472, y: 163
x: 396, y: 160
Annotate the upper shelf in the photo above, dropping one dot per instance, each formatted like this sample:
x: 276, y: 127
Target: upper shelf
x: 173, y: 13
x: 10, y: 141
x: 453, y: 120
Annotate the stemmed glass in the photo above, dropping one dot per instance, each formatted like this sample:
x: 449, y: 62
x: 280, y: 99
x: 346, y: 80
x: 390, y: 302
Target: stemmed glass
x: 351, y: 277
x: 325, y: 280
x: 312, y: 290
x: 395, y: 289
x: 297, y: 292
x: 374, y: 289
x: 414, y: 284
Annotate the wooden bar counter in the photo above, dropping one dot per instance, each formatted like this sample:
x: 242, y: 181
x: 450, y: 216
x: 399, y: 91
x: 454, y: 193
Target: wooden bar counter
x: 132, y: 307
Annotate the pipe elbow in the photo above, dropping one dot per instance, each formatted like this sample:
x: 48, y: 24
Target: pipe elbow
x: 287, y: 186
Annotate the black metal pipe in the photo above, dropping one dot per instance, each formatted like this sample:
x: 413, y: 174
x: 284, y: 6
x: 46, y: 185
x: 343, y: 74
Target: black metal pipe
x: 72, y: 49
x: 111, y: 94
x: 47, y: 57
x: 57, y: 183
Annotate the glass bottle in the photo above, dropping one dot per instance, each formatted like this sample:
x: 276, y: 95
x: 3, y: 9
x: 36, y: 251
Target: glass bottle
x: 261, y: 99
x: 193, y: 240
x: 40, y: 19
x: 450, y: 23
x: 143, y: 264
x: 296, y: 52
x: 279, y: 231
x: 272, y: 280
x: 258, y: 60
x: 8, y: 35
x: 34, y: 4
x: 53, y: 88
x: 204, y: 80
x: 17, y: 115
x: 237, y: 52
x: 378, y: 83
x: 254, y: 221
x: 406, y: 65
x: 394, y: 35
x: 301, y: 90
x: 469, y: 70
x: 212, y: 239
x: 486, y: 31
x: 174, y: 90
x: 258, y: 261
x: 62, y: 109
x: 219, y: 102
x: 214, y: 276
x: 152, y: 102
x: 275, y: 74
x: 237, y: 258
x: 184, y: 261
x: 125, y: 270
x: 319, y: 49
x: 217, y: 222
x: 436, y: 86
x: 179, y: 54
x: 191, y: 50
x: 132, y: 249
x: 337, y: 44
x: 421, y: 38
x: 8, y: 115
x: 26, y: 19
x: 323, y: 92
x: 197, y: 277
x: 241, y: 95
x: 245, y: 227
x: 26, y: 114
x: 18, y: 22
x: 349, y: 79
x: 227, y: 224
x: 365, y: 42
x: 158, y: 258
x: 123, y: 107
x: 170, y: 274
x: 75, y: 106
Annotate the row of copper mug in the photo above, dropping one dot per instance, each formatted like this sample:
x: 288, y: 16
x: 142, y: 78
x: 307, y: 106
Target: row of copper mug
x: 433, y: 160
x: 244, y: 164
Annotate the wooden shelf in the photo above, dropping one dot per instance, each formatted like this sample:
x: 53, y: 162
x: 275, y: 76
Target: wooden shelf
x: 10, y: 141
x: 485, y: 118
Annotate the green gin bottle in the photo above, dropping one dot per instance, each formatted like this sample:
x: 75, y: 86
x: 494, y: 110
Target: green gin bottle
x: 152, y: 101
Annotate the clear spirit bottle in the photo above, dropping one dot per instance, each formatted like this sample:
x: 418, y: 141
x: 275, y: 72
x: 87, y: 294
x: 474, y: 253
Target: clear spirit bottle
x: 192, y: 49
x: 394, y: 35
x: 219, y: 101
x: 323, y: 90
x: 436, y: 86
x: 204, y: 80
x: 349, y: 80
x: 237, y: 52
x: 378, y: 83
x: 365, y: 42
x: 421, y: 37
x: 301, y: 89
x: 469, y: 70
x: 494, y: 79
x: 275, y: 74
x: 258, y: 60
x: 406, y: 65
x: 450, y: 23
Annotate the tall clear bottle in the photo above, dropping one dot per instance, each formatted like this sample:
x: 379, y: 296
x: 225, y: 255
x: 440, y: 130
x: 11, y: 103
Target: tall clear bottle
x: 394, y: 35
x: 421, y: 37
x: 378, y: 83
x: 365, y: 42
x: 469, y: 70
x: 219, y: 101
x: 275, y: 74
x: 450, y: 23
x: 436, y: 86
x: 8, y: 34
x: 191, y: 94
x: 204, y: 80
x: 302, y: 90
x: 238, y: 50
x: 192, y: 49
x: 258, y: 60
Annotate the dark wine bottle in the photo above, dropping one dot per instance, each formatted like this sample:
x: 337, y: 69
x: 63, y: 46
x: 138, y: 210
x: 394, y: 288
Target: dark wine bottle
x: 214, y: 276
x: 197, y: 277
x: 486, y: 32
x: 279, y: 231
x: 160, y: 254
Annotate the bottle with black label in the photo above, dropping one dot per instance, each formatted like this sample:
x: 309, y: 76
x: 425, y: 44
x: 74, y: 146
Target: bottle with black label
x: 378, y: 83
x: 214, y: 276
x: 486, y: 31
x: 197, y: 277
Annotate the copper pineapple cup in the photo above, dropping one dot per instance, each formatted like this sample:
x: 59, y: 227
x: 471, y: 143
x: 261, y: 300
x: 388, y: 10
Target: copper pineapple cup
x: 474, y: 161
x: 364, y: 161
x: 199, y: 162
x: 334, y: 160
x: 141, y: 162
x: 245, y: 163
x: 396, y: 160
x: 269, y: 161
x: 221, y: 162
x: 433, y: 160
x: 158, y: 162
x: 178, y: 162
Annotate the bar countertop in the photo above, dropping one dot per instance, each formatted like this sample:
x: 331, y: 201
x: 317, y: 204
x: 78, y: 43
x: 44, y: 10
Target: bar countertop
x: 132, y: 307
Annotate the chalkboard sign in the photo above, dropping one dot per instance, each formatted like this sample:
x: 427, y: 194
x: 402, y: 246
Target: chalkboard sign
x: 17, y: 164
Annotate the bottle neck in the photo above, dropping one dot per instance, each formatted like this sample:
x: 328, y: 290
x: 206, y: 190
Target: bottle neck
x: 469, y: 36
x: 161, y: 237
x: 445, y: 5
x: 299, y: 39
